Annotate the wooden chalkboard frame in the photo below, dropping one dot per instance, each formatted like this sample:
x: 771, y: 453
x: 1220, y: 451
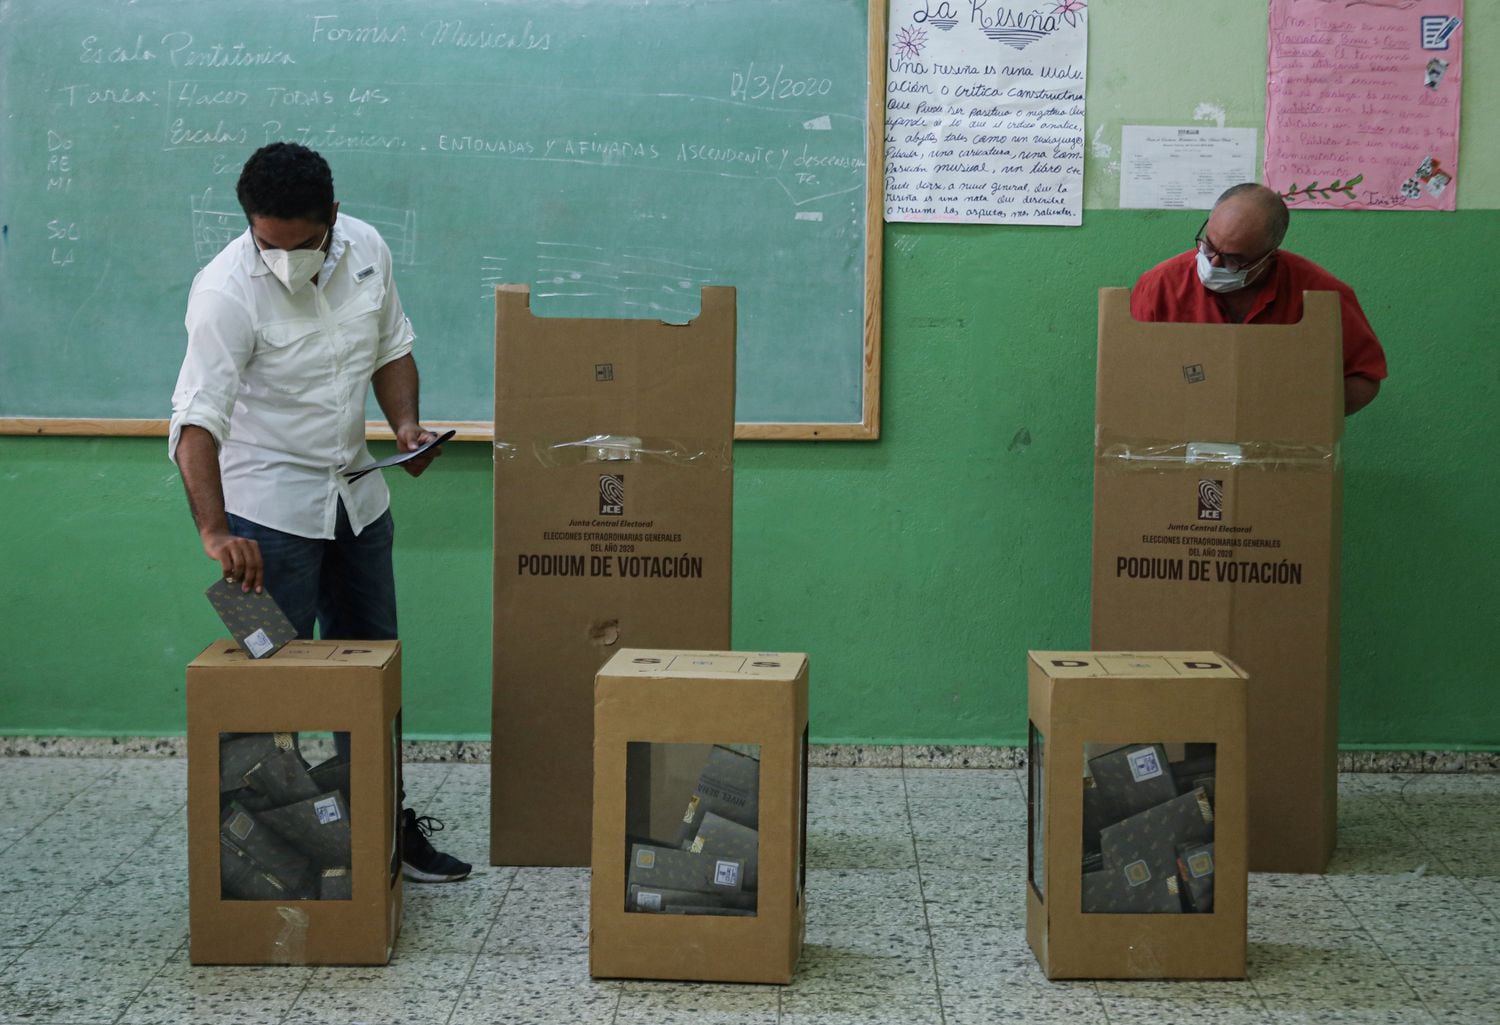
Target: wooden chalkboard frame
x: 866, y: 429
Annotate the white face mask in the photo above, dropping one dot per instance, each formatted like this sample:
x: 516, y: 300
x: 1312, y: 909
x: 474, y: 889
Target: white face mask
x: 295, y: 268
x: 1222, y: 279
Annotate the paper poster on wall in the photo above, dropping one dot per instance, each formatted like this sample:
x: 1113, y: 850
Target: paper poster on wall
x: 1166, y: 168
x: 984, y: 111
x: 1362, y: 103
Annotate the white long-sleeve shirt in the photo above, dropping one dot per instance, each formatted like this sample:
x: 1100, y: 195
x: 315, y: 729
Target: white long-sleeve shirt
x: 280, y: 379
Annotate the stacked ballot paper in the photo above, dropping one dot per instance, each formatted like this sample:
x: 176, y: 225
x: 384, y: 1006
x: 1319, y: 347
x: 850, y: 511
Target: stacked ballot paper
x: 1148, y: 831
x: 710, y: 867
x: 284, y: 825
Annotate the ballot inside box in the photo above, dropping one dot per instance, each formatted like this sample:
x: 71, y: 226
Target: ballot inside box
x: 705, y: 798
x: 285, y: 825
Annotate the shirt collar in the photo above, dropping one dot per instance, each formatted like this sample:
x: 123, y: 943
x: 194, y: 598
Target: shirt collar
x: 1266, y: 291
x: 341, y: 241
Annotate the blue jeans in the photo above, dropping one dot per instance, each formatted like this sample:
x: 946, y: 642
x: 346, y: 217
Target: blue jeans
x: 345, y: 585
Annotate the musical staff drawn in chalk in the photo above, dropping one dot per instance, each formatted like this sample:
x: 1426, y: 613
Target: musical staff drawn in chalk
x: 216, y: 223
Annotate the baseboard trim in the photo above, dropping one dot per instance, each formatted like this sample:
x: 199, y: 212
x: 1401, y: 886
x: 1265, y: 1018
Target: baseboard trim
x: 870, y: 756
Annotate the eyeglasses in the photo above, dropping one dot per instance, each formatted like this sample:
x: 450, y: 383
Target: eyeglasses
x: 1232, y: 261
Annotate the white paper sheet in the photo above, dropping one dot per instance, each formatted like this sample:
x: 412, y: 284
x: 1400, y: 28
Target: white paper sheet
x: 1183, y: 168
x: 984, y: 112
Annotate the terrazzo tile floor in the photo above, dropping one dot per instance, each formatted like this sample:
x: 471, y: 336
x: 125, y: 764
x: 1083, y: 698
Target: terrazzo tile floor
x: 915, y: 911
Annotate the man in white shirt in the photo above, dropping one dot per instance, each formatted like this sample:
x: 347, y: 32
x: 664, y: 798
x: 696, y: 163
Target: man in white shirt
x: 288, y: 328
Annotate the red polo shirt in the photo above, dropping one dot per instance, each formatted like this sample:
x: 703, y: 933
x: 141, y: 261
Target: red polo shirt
x: 1171, y: 292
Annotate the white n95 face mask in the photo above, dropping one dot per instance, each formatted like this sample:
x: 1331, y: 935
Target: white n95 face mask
x: 1222, y: 279
x: 296, y: 267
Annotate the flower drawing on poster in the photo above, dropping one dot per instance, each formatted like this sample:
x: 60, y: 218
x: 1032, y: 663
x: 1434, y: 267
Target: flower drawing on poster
x: 984, y: 111
x: 1072, y: 10
x: 1363, y: 103
x: 909, y: 42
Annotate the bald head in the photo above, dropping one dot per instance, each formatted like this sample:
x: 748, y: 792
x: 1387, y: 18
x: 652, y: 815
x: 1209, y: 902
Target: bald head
x: 1254, y: 213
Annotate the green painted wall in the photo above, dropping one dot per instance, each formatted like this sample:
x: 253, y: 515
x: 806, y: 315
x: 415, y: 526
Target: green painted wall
x: 917, y: 570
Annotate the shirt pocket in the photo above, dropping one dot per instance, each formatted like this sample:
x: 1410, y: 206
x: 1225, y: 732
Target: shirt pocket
x: 359, y: 317
x: 286, y: 355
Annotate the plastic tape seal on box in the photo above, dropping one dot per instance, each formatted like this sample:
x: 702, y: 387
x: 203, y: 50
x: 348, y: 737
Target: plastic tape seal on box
x: 290, y: 944
x: 1150, y: 454
x: 608, y: 449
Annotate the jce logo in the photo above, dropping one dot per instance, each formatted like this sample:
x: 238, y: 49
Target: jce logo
x: 1210, y: 500
x: 611, y: 494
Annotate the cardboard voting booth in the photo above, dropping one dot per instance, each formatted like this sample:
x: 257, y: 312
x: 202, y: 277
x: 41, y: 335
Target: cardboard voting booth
x: 1218, y: 496
x: 699, y: 816
x: 1136, y: 823
x: 294, y: 856
x: 613, y: 513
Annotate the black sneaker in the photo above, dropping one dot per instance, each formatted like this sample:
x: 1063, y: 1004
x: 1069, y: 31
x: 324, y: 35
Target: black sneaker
x: 420, y: 861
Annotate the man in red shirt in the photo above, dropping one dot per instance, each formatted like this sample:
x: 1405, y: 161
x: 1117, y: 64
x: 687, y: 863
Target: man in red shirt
x: 1237, y: 274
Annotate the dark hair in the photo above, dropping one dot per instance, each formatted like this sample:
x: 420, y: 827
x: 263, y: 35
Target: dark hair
x: 1271, y: 206
x: 288, y: 181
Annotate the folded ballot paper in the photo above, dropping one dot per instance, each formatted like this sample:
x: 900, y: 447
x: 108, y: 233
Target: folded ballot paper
x: 720, y: 838
x: 241, y: 752
x: 317, y: 827
x: 729, y: 787
x: 667, y: 901
x: 262, y: 859
x: 1141, y: 857
x: 252, y: 617
x: 693, y: 872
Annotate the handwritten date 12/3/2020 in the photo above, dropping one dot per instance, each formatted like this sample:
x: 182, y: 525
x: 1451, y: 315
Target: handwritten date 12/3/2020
x: 754, y: 83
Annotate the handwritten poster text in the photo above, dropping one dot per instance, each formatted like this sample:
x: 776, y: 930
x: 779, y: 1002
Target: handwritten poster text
x: 1363, y: 102
x: 984, y: 112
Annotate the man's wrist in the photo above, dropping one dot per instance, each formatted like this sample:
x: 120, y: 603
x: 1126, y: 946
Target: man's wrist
x: 411, y: 430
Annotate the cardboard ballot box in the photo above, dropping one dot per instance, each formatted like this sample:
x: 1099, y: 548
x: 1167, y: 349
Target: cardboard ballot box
x: 699, y: 820
x: 293, y: 852
x: 1217, y: 517
x: 1136, y: 815
x: 613, y: 509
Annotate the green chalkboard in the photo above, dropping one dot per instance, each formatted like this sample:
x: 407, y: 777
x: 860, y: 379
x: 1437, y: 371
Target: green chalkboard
x: 615, y: 155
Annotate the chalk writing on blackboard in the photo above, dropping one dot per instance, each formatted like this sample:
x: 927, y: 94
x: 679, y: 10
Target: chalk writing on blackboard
x: 682, y: 143
x: 215, y: 224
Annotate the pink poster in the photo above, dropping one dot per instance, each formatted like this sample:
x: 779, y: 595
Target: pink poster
x: 1362, y: 100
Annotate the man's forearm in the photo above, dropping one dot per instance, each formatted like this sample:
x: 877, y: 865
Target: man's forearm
x: 396, y: 387
x: 198, y: 462
x: 1359, y: 392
